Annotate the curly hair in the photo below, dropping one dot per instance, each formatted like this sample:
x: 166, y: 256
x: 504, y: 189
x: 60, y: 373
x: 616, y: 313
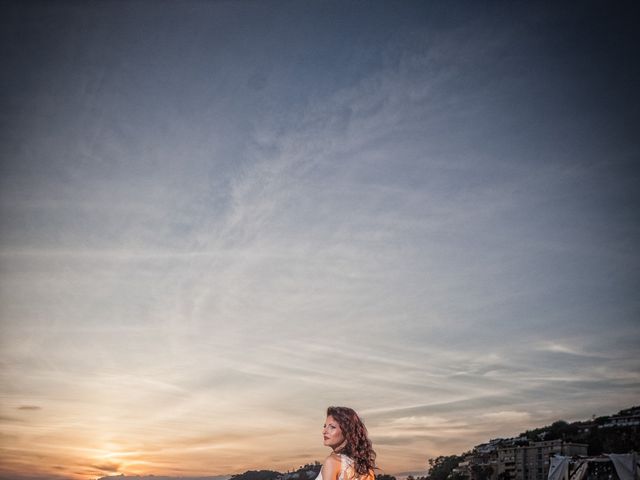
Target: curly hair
x: 358, y: 445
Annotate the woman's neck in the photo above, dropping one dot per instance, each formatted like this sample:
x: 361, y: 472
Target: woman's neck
x: 338, y: 450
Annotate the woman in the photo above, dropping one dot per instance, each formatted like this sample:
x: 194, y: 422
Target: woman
x: 352, y: 457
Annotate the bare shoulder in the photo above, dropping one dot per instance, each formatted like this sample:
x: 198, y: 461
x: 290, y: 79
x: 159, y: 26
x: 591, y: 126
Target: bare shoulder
x: 331, y: 467
x: 334, y: 460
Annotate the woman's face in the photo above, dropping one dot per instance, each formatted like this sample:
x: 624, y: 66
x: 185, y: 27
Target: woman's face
x: 332, y: 433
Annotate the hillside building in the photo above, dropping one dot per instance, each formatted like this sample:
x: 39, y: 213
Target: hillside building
x: 514, y: 459
x: 531, y: 462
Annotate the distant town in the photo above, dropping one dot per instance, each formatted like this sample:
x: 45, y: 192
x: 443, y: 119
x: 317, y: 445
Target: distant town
x: 528, y: 456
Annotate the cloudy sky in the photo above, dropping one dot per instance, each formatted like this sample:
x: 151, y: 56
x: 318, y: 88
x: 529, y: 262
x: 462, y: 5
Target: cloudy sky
x: 218, y: 218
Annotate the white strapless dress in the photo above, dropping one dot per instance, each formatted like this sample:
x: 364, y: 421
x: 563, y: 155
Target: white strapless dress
x: 345, y: 463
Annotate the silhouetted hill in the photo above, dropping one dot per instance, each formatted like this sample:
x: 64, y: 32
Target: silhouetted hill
x: 305, y: 472
x: 257, y: 475
x: 619, y: 433
x: 162, y: 477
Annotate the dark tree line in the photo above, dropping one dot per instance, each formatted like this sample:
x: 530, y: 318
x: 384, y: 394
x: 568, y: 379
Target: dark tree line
x: 441, y: 467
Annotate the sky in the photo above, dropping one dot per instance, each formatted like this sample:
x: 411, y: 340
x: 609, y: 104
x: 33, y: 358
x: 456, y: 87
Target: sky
x: 218, y: 218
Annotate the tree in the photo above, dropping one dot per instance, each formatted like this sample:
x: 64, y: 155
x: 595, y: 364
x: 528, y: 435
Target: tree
x: 481, y: 472
x: 441, y: 467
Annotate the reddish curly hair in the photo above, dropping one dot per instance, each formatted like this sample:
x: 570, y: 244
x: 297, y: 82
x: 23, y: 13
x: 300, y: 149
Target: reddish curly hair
x: 358, y: 445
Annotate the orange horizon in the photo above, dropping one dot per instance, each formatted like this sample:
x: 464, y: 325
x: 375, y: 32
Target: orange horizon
x: 114, y: 461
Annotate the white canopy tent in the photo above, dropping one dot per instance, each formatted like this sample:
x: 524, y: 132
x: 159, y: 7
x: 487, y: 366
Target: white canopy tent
x: 625, y: 465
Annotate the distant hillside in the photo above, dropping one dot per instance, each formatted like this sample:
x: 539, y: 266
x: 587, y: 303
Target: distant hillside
x: 305, y: 472
x: 160, y: 477
x: 257, y: 475
x: 619, y: 433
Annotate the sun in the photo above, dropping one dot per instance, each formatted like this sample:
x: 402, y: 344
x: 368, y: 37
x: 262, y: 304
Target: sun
x: 116, y: 460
